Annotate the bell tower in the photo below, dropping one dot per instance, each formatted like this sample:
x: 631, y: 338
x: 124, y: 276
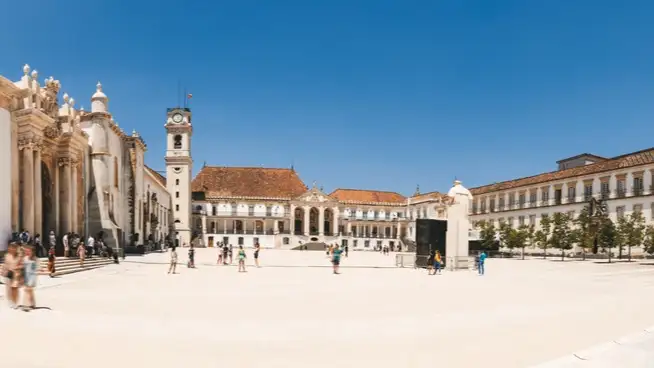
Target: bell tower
x: 179, y: 170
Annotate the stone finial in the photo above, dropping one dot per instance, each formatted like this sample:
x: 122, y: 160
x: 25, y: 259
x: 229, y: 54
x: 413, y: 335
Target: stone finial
x: 26, y: 69
x: 35, y: 74
x: 135, y: 134
x: 81, y: 109
x: 417, y: 190
x: 71, y: 102
x: 66, y: 97
x: 98, y: 87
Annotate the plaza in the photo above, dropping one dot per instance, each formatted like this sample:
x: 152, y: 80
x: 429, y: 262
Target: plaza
x: 293, y: 312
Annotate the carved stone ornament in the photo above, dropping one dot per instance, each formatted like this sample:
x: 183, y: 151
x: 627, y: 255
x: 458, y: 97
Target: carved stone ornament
x: 29, y: 142
x: 51, y: 132
x: 64, y: 161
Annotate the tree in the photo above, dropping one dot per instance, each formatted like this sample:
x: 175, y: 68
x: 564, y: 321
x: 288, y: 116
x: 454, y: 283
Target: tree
x: 648, y: 239
x: 561, y: 233
x: 606, y: 235
x: 487, y: 234
x: 522, y: 236
x: 585, y: 231
x: 630, y: 232
x: 506, y: 235
x: 542, y: 236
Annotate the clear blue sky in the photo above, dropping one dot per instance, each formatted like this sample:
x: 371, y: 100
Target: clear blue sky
x: 367, y: 94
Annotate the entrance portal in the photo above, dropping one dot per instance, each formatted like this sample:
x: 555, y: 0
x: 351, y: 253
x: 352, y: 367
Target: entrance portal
x: 46, y: 201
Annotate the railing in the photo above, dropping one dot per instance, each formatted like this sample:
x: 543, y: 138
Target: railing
x: 605, y: 195
x: 638, y: 191
x: 558, y: 201
x: 587, y: 197
x: 620, y: 193
x: 234, y: 213
x: 572, y: 199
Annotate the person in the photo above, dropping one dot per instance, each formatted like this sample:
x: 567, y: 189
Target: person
x: 30, y: 275
x: 438, y: 263
x: 90, y: 246
x: 173, y: 260
x: 51, y: 261
x: 66, y: 246
x: 241, y: 259
x: 38, y: 246
x: 257, y: 247
x: 221, y: 248
x: 482, y: 261
x: 191, y: 257
x: 225, y: 252
x: 11, y: 270
x: 336, y: 259
x: 81, y: 253
x: 231, y: 253
x: 431, y: 261
x: 52, y: 241
x: 347, y: 250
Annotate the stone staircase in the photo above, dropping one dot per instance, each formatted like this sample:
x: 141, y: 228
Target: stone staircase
x: 311, y: 246
x: 65, y: 266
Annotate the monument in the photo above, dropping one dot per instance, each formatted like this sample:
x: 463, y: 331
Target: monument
x: 458, y: 226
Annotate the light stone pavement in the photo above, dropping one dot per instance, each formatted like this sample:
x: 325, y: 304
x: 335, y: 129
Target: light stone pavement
x: 293, y: 312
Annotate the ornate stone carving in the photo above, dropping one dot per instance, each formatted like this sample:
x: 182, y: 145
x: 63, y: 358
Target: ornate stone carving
x: 64, y: 161
x: 51, y: 132
x: 29, y: 141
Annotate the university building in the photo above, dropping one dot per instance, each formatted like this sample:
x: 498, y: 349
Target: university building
x: 72, y: 170
x: 624, y: 182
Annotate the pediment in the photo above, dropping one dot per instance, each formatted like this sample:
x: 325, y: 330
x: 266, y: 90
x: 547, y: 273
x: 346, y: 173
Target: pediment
x: 315, y: 195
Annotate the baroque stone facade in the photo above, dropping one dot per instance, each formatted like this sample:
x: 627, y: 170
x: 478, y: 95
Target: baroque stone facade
x: 72, y: 170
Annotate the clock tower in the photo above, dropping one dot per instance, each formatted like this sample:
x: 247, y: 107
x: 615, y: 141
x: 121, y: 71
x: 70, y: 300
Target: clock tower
x: 179, y: 171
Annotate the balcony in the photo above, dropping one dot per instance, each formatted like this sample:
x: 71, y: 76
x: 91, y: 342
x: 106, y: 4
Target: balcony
x: 269, y: 213
x: 500, y: 207
x: 545, y: 202
x: 557, y: 201
x: 200, y: 212
x: 620, y: 193
x: 605, y: 195
x: 521, y: 204
x: 638, y: 191
x: 572, y: 199
x: 588, y: 197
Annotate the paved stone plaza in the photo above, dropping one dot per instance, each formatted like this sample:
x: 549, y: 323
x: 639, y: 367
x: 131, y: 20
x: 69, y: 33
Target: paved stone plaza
x: 294, y: 313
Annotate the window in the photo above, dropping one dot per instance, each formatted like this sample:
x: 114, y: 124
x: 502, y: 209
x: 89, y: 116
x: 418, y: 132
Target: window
x: 571, y: 214
x: 605, y: 189
x: 116, y: 172
x: 511, y: 200
x: 255, y: 241
x: 622, y: 188
x: 572, y: 194
x: 250, y: 210
x: 501, y: 203
x: 532, y: 219
x: 545, y: 195
x: 521, y: 220
x: 379, y: 243
x: 240, y: 240
x: 285, y: 241
x: 492, y: 205
x: 176, y: 194
x: 483, y: 205
x: 366, y: 243
x: 588, y: 191
x: 354, y: 243
x: 638, y: 208
x: 176, y: 207
x: 176, y: 181
x: 510, y: 221
x: 533, y: 198
x: 214, y: 211
x: 177, y: 142
x: 558, y: 194
x: 638, y: 186
x: 474, y: 207
x: 619, y: 211
x: 521, y: 200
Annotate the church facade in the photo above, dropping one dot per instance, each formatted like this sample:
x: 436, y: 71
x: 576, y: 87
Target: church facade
x: 73, y: 170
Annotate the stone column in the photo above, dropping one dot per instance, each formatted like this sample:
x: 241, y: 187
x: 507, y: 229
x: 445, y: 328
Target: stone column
x: 224, y: 226
x: 65, y: 199
x: 38, y: 195
x: 399, y: 227
x: 307, y: 209
x: 204, y: 224
x: 73, y: 197
x: 348, y: 229
x: 291, y: 217
x: 5, y: 121
x: 9, y: 183
x: 28, y: 187
x: 321, y: 221
x: 57, y: 220
x: 336, y: 228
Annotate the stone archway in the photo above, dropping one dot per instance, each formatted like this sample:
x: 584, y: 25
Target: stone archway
x: 329, y: 221
x: 314, y: 218
x: 47, y: 218
x: 299, y: 221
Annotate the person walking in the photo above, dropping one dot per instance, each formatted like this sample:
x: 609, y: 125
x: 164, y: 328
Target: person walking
x: 241, y: 259
x: 191, y: 256
x: 52, y: 241
x: 173, y: 260
x: 257, y: 247
x: 336, y: 259
x: 431, y: 261
x: 482, y: 261
x: 221, y: 247
x: 11, y: 271
x: 30, y: 275
x: 225, y: 253
x: 81, y: 253
x: 438, y: 263
x: 51, y: 261
x: 66, y: 245
x: 38, y: 246
x: 231, y: 252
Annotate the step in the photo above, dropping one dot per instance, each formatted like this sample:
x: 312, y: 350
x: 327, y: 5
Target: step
x: 64, y: 266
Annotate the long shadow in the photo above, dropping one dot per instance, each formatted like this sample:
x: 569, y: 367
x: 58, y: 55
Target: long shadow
x: 268, y: 265
x: 36, y: 308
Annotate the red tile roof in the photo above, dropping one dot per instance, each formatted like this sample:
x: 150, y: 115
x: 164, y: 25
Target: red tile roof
x: 619, y: 162
x: 430, y: 195
x: 367, y: 196
x: 248, y: 182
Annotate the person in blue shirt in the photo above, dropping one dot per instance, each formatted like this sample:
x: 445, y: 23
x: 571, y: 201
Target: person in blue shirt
x: 482, y: 260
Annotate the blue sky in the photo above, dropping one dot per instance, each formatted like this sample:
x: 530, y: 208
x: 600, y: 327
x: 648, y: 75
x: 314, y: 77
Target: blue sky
x: 367, y: 94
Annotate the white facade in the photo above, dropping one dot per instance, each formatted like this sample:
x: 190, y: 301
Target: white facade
x: 179, y: 170
x: 624, y: 183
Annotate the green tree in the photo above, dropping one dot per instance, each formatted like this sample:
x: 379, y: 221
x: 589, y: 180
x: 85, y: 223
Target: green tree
x: 487, y: 234
x: 521, y: 238
x: 506, y: 233
x: 648, y: 239
x: 561, y: 233
x: 543, y: 235
x: 630, y: 232
x: 606, y: 235
x: 585, y: 231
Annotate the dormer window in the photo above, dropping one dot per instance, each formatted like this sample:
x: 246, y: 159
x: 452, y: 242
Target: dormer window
x: 177, y: 142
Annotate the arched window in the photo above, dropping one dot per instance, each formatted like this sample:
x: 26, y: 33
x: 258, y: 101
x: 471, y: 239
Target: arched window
x: 177, y: 141
x: 116, y: 172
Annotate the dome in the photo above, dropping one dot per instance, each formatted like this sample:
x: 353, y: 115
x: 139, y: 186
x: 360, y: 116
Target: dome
x: 458, y: 189
x: 98, y: 92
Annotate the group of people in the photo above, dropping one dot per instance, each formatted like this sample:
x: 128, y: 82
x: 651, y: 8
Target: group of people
x: 435, y: 262
x: 20, y: 271
x: 225, y: 256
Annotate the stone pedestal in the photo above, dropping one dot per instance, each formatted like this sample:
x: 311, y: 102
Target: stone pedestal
x: 458, y: 224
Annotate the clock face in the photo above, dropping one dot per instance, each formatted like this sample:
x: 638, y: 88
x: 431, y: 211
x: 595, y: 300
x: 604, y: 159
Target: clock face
x: 177, y: 118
